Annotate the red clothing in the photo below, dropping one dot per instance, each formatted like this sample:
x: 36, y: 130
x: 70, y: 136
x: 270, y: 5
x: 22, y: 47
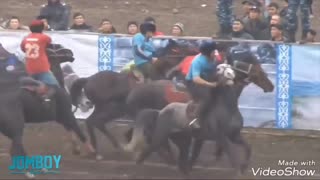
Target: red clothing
x: 158, y: 33
x: 185, y: 64
x: 34, y: 46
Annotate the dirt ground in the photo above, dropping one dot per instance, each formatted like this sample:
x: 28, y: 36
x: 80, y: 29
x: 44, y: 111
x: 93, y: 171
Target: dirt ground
x: 198, y: 20
x: 50, y: 138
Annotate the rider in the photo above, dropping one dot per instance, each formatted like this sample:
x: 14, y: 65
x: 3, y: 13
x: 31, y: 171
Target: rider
x: 143, y: 50
x: 37, y: 64
x: 198, y: 77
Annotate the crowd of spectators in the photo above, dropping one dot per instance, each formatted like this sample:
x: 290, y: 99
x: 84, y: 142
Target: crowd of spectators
x: 261, y: 20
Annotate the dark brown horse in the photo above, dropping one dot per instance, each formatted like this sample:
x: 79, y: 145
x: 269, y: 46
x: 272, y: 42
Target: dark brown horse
x: 157, y: 95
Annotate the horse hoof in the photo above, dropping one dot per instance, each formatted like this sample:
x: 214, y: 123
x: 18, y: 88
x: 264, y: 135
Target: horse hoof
x: 99, y: 157
x: 44, y: 170
x: 76, y: 151
x: 243, y: 168
x: 30, y: 175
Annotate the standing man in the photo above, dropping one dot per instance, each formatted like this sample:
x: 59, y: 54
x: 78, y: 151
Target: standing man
x: 292, y: 19
x: 225, y: 17
x: 57, y: 14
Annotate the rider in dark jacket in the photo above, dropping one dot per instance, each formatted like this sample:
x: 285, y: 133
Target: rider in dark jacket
x: 58, y: 14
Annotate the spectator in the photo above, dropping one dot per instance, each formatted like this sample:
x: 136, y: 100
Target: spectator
x: 133, y: 27
x: 273, y: 9
x: 177, y: 29
x: 255, y: 26
x: 153, y: 21
x: 292, y: 19
x: 246, y: 5
x: 225, y: 16
x: 277, y: 33
x: 79, y: 23
x: 106, y: 27
x: 275, y: 20
x: 310, y: 7
x: 238, y: 31
x: 57, y: 14
x: 14, y: 24
x: 45, y: 22
x: 284, y: 11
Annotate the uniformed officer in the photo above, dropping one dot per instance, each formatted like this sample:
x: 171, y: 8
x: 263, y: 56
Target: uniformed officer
x: 57, y: 14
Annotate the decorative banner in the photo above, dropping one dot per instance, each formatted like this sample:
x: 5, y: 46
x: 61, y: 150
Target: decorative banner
x: 294, y: 70
x: 283, y: 96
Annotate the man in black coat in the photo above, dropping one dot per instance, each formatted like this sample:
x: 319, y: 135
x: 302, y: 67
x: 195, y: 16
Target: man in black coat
x: 57, y: 14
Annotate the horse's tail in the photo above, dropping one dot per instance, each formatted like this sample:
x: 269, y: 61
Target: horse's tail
x: 76, y: 89
x: 142, y: 130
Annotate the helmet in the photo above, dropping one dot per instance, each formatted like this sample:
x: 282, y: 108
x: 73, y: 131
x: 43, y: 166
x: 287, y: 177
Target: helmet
x: 145, y: 27
x: 207, y: 47
x: 36, y: 26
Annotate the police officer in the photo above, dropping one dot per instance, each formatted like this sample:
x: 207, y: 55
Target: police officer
x: 292, y: 19
x: 225, y: 16
x: 57, y: 14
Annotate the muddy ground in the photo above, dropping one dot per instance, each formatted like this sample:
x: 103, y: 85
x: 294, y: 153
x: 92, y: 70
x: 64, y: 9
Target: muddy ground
x: 198, y: 20
x: 50, y: 138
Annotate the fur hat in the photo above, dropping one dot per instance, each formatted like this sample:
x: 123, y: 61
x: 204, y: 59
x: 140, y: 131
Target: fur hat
x: 180, y: 26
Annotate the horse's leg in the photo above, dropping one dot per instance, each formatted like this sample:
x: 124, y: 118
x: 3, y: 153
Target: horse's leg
x: 109, y: 112
x: 17, y: 149
x: 112, y: 139
x: 90, y: 123
x: 183, y: 141
x: 238, y: 139
x: 129, y: 134
x: 196, y: 149
x: 68, y: 120
x: 219, y: 152
x: 166, y: 153
x: 161, y: 134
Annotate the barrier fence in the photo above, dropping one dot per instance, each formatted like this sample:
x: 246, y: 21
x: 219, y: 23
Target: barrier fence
x: 294, y: 70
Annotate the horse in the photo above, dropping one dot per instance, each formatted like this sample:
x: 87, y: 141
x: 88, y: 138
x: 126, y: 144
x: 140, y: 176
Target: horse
x: 157, y: 95
x: 222, y: 121
x: 20, y: 105
x: 108, y: 91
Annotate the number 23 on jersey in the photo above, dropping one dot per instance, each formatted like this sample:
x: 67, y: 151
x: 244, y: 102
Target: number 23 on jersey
x: 32, y: 50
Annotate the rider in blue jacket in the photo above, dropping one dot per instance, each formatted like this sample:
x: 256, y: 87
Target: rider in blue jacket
x: 143, y: 50
x: 198, y: 79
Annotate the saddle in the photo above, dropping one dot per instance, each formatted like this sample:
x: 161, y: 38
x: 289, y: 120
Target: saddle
x: 33, y: 85
x: 56, y: 51
x: 179, y: 86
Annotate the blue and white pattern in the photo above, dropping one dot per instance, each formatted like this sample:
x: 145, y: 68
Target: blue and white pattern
x: 283, y: 96
x: 105, y: 44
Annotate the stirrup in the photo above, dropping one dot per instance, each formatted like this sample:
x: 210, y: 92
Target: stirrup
x: 194, y: 124
x: 193, y: 121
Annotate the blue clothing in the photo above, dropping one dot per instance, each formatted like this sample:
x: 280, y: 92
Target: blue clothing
x: 201, y: 67
x: 291, y: 16
x: 143, y: 49
x: 47, y: 78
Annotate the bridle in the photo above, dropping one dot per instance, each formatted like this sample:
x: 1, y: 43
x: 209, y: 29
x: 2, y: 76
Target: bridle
x: 243, y: 67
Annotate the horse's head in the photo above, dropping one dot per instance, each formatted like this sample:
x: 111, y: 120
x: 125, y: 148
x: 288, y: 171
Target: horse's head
x: 250, y: 70
x: 225, y: 75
